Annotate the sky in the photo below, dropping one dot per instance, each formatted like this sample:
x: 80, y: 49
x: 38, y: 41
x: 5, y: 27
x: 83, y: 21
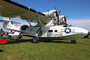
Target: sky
x: 77, y: 11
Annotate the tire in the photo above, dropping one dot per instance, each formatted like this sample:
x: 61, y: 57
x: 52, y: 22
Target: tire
x: 35, y: 40
x: 73, y: 41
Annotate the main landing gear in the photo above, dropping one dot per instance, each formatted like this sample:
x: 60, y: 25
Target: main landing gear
x: 35, y: 40
x: 73, y: 41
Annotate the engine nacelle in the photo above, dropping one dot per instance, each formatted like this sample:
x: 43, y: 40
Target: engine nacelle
x: 24, y: 27
x: 61, y: 20
x: 50, y: 13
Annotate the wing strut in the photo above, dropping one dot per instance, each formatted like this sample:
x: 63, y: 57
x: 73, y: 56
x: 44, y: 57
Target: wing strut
x: 19, y: 36
x: 32, y: 28
x: 41, y: 24
x: 30, y: 24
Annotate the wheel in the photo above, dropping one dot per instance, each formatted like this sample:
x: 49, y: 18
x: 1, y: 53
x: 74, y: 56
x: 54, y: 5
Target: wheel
x: 73, y: 41
x: 19, y: 38
x: 35, y: 40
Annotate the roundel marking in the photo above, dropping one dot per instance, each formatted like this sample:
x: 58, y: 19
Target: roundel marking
x: 67, y: 30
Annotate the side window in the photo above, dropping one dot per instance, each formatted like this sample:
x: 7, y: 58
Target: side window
x: 50, y: 30
x: 12, y: 32
x: 55, y: 30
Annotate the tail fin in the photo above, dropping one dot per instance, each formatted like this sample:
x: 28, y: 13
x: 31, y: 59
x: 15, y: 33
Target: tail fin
x: 6, y: 19
x: 8, y: 24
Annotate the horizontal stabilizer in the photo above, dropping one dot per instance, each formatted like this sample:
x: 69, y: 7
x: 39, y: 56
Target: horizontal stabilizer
x: 15, y: 22
x: 4, y: 21
x: 9, y: 21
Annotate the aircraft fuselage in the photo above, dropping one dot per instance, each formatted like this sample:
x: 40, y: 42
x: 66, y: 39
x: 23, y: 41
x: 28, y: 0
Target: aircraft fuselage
x: 58, y: 32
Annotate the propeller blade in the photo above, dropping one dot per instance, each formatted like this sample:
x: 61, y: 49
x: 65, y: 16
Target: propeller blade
x: 54, y: 7
x: 57, y: 14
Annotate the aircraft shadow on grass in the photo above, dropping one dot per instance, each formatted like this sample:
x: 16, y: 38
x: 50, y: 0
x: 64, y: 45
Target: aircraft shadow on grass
x: 1, y: 50
x: 83, y: 43
x: 53, y: 41
x: 61, y: 41
x: 30, y: 40
x: 18, y: 41
x: 46, y: 41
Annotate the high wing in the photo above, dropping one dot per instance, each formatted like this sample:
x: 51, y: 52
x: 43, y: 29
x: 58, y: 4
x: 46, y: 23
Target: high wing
x: 12, y: 9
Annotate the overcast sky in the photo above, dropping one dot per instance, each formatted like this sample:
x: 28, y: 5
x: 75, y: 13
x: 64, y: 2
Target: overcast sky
x: 80, y: 23
x: 78, y: 11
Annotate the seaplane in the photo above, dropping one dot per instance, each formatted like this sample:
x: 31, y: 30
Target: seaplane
x: 50, y: 25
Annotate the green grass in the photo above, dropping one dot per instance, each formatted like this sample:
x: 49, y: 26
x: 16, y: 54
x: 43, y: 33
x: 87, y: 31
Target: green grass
x: 55, y: 50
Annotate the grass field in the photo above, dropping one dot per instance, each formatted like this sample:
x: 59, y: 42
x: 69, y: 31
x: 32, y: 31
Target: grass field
x: 54, y: 50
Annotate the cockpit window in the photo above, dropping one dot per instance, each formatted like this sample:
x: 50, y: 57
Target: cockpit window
x: 12, y: 32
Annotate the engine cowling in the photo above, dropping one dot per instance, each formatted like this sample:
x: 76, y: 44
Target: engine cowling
x: 50, y: 13
x: 24, y: 27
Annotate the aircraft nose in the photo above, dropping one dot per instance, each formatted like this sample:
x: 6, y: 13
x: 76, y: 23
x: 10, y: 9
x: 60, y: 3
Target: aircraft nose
x: 83, y: 31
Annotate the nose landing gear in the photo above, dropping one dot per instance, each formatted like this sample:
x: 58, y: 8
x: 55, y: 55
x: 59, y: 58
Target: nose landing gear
x: 73, y: 41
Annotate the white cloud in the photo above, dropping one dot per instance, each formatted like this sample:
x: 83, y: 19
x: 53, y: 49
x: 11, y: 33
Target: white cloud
x: 83, y: 23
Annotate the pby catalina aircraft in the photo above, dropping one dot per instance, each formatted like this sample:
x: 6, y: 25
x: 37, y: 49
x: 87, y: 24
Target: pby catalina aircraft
x: 49, y: 24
